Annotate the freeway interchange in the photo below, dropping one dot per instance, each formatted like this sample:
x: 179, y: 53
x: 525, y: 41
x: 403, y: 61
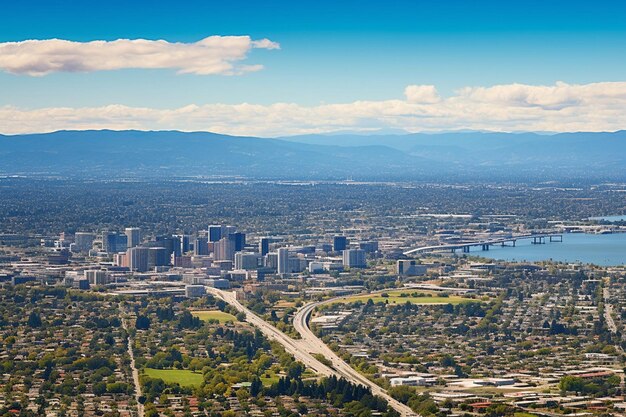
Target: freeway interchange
x: 305, y: 349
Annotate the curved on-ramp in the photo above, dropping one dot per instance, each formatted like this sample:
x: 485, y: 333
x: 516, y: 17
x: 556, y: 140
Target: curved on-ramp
x: 304, y: 349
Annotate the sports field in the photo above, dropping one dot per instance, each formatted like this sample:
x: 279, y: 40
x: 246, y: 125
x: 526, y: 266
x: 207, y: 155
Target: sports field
x: 183, y: 377
x: 206, y: 315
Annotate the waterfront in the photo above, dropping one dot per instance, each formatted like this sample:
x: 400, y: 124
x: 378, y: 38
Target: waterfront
x: 599, y: 249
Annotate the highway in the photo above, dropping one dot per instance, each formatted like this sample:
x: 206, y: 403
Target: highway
x: 304, y: 348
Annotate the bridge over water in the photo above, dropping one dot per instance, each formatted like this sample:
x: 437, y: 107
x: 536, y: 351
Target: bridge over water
x: 537, y: 239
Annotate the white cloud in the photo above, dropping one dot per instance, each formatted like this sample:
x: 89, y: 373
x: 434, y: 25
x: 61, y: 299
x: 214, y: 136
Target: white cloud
x: 426, y: 94
x: 212, y: 55
x: 515, y: 107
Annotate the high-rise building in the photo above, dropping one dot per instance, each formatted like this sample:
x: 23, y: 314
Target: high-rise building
x: 133, y: 235
x: 83, y: 241
x: 184, y: 243
x: 270, y: 261
x: 201, y: 246
x: 239, y: 240
x: 137, y: 258
x: 264, y: 245
x: 112, y: 242
x: 224, y: 250
x: 283, y: 261
x: 246, y: 260
x: 215, y: 232
x: 171, y: 243
x: 340, y: 243
x: 354, y: 258
x: 158, y: 257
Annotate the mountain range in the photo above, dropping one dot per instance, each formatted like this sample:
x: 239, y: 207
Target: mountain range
x: 458, y: 155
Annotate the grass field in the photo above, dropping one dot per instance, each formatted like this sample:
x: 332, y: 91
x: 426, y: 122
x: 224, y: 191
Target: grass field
x: 183, y: 377
x: 402, y: 296
x: 220, y: 316
x: 269, y: 378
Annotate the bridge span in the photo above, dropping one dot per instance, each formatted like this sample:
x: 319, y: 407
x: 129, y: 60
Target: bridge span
x: 537, y: 238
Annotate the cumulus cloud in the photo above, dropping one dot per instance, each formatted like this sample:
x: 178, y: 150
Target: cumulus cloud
x: 514, y: 107
x: 426, y: 94
x: 209, y: 56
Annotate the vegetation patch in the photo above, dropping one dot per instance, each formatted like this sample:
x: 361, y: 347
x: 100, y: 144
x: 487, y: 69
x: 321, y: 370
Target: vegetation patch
x: 207, y: 315
x: 412, y: 296
x: 183, y: 377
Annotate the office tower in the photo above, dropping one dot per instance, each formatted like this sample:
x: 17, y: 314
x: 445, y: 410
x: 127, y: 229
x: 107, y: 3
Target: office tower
x: 297, y: 264
x: 201, y: 246
x: 264, y: 245
x: 112, y: 242
x: 121, y: 243
x: 354, y: 258
x: 239, y: 240
x: 171, y: 243
x: 83, y: 241
x: 158, y: 257
x: 270, y: 261
x: 340, y: 243
x: 184, y: 243
x: 133, y: 234
x: 246, y: 260
x: 215, y: 232
x: 109, y: 240
x: 283, y: 261
x: 96, y: 277
x: 224, y: 249
x: 369, y: 247
x: 137, y: 258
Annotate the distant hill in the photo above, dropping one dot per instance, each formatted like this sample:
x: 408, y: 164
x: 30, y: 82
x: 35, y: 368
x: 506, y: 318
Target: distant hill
x: 174, y: 154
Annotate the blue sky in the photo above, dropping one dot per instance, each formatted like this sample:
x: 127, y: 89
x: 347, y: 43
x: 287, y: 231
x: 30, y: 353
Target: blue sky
x: 330, y: 51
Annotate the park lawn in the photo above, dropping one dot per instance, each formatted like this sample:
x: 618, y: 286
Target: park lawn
x: 395, y: 297
x: 184, y: 377
x: 524, y: 415
x: 270, y: 379
x: 206, y: 315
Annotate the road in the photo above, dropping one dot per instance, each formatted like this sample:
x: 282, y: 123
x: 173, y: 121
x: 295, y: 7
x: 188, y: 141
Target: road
x: 608, y: 311
x: 610, y: 324
x: 140, y: 411
x: 304, y: 349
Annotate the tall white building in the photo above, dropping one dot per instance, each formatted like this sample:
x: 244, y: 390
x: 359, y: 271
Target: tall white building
x: 137, y: 259
x: 224, y: 249
x: 134, y: 236
x: 83, y: 241
x: 283, y: 261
